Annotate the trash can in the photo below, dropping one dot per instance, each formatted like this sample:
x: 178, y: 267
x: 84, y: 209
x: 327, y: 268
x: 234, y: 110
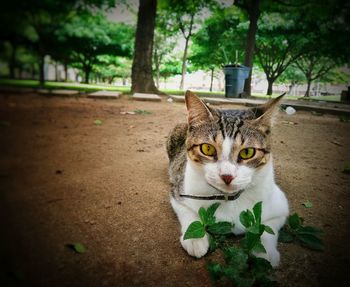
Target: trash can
x: 235, y: 75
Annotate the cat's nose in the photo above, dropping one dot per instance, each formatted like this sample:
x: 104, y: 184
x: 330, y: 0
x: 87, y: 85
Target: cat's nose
x: 227, y: 178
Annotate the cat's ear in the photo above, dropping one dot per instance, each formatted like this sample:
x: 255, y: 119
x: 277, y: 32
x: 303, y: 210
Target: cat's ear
x: 265, y: 114
x: 198, y: 111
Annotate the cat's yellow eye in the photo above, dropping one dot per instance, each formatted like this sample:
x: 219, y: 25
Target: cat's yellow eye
x: 247, y: 153
x: 208, y: 149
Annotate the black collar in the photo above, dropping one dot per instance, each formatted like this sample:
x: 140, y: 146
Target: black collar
x: 213, y: 197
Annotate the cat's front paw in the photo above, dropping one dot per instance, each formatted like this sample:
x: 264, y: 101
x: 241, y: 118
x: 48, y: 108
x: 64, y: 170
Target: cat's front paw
x: 272, y: 255
x: 196, y: 247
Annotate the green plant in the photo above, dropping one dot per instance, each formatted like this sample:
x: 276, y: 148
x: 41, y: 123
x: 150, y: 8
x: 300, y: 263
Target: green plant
x: 295, y: 231
x: 142, y: 112
x: 241, y: 266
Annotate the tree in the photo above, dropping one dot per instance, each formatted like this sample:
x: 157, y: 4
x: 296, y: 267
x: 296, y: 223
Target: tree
x: 141, y: 76
x: 44, y: 18
x: 325, y: 45
x: 252, y: 8
x: 278, y: 44
x: 170, y: 68
x: 314, y: 67
x: 217, y: 42
x: 110, y: 67
x: 292, y: 76
x: 183, y: 16
x: 164, y: 43
x: 89, y: 36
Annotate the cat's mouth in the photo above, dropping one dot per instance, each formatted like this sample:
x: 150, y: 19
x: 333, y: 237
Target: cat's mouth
x: 230, y: 192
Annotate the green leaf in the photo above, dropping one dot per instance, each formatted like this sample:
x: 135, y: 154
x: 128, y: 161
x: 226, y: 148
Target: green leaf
x: 294, y: 221
x: 254, y: 229
x: 236, y: 257
x: 77, y: 247
x: 213, y: 244
x: 220, y: 228
x: 142, y: 112
x: 346, y: 169
x: 203, y: 215
x: 307, y: 204
x: 215, y: 271
x: 231, y: 272
x: 268, y: 229
x: 260, y: 266
x: 259, y: 247
x: 309, y: 230
x: 257, y: 209
x: 246, y: 218
x: 244, y: 282
x: 211, y: 211
x: 285, y: 236
x: 249, y: 241
x: 265, y: 281
x: 98, y: 122
x: 311, y: 241
x: 195, y: 230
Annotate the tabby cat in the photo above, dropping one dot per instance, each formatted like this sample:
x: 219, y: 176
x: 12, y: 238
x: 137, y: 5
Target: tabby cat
x: 225, y: 156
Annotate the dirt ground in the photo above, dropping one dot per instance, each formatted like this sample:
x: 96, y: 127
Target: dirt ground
x: 64, y: 179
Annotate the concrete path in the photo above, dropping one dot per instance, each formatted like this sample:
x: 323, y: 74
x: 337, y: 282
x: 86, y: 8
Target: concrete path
x: 104, y: 95
x: 146, y: 97
x: 58, y: 92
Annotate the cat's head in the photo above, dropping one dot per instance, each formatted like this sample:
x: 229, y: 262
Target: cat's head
x: 230, y: 147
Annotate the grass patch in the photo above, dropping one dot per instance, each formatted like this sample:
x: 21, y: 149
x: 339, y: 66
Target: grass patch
x: 127, y: 90
x: 50, y: 85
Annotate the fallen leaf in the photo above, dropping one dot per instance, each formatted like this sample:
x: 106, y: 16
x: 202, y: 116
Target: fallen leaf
x: 307, y: 204
x: 98, y: 122
x: 336, y: 143
x: 142, y: 112
x: 347, y: 169
x: 77, y: 247
x: 127, y: 113
x: 289, y: 123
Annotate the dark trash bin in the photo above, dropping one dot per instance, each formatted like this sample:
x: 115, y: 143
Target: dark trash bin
x: 235, y: 75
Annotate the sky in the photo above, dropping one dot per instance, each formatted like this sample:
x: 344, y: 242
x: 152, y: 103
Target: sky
x: 126, y: 13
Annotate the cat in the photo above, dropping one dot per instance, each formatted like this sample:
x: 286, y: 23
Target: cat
x: 225, y: 154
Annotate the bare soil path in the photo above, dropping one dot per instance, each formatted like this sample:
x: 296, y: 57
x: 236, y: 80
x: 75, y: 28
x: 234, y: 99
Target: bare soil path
x: 64, y: 179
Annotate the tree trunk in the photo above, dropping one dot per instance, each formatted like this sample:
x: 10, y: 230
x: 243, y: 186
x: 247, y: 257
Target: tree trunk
x: 211, y: 80
x: 41, y: 70
x: 254, y: 13
x: 269, y: 87
x: 307, y: 93
x: 141, y: 77
x: 12, y: 62
x: 56, y: 71
x: 65, y: 72
x: 156, y: 64
x: 290, y: 88
x: 184, y: 66
x: 87, y: 71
